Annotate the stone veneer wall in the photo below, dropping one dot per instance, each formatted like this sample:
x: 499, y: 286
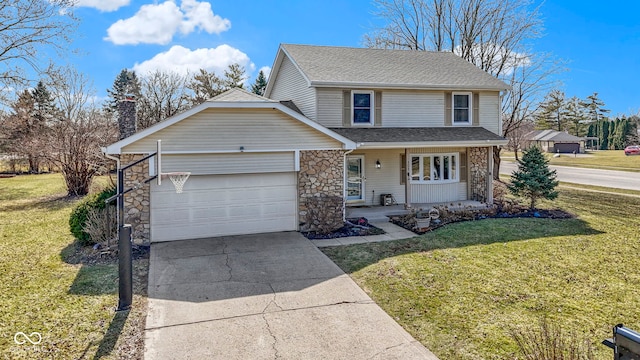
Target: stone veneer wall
x: 478, y: 158
x: 320, y: 183
x: 136, y: 203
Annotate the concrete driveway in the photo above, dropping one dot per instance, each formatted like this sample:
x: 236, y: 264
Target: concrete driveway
x: 268, y: 296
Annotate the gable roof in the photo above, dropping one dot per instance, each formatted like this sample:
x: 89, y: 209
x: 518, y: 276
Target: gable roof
x: 382, y: 137
x: 239, y: 94
x: 364, y: 67
x: 231, y: 99
x: 552, y: 135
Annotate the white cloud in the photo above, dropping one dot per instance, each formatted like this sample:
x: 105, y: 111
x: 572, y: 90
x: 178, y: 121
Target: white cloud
x: 103, y: 5
x: 497, y: 57
x: 182, y: 60
x: 266, y: 70
x: 158, y: 23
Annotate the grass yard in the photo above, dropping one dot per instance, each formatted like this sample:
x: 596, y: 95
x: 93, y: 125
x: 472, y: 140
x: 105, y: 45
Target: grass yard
x: 459, y: 290
x: 603, y: 159
x: 42, y: 289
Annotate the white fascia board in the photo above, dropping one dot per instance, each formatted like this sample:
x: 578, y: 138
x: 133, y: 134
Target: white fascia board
x: 396, y: 145
x: 277, y: 63
x: 116, y: 148
x: 347, y: 143
x: 352, y: 85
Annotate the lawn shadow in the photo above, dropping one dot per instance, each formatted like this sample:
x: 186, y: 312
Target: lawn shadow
x: 110, y: 338
x: 352, y: 258
x: 49, y: 203
x: 98, y: 275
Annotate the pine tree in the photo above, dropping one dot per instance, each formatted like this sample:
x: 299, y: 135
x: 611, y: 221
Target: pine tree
x: 126, y: 83
x: 234, y: 77
x: 44, y: 107
x: 261, y: 83
x: 552, y: 112
x: 533, y: 179
x: 204, y: 86
x: 575, y: 116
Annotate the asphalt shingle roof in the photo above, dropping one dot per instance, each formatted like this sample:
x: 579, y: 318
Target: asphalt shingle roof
x: 328, y: 65
x: 552, y: 135
x: 384, y: 134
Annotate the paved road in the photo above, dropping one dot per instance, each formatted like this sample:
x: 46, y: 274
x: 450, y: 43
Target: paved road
x: 608, y: 178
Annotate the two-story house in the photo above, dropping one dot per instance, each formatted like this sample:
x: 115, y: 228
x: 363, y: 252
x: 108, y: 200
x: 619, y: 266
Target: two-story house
x: 337, y: 126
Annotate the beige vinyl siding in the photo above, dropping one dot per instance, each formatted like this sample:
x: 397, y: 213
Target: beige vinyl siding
x: 229, y: 129
x: 384, y: 180
x: 291, y: 85
x: 412, y: 109
x: 237, y: 163
x: 329, y: 107
x: 438, y: 192
x: 490, y: 111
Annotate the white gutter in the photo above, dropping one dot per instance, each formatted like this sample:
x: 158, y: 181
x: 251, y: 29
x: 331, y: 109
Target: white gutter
x: 395, y: 145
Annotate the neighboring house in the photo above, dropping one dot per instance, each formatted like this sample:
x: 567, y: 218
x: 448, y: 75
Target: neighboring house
x: 349, y: 124
x: 553, y: 141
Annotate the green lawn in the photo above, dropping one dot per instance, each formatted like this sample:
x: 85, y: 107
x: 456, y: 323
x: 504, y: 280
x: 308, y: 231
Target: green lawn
x: 42, y: 290
x: 460, y: 289
x: 603, y: 159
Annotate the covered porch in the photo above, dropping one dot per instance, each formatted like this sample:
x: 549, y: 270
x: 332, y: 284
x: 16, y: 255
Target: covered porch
x: 379, y: 213
x: 415, y: 167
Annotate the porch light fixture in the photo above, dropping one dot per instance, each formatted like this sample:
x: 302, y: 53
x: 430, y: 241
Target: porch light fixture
x: 378, y: 165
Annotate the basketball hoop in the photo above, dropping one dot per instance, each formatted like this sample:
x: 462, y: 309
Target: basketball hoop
x: 178, y: 179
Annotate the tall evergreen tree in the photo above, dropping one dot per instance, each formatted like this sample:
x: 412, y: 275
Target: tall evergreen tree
x: 204, y: 86
x: 234, y: 76
x: 261, y: 83
x: 575, y: 116
x: 44, y: 106
x: 533, y: 179
x: 126, y: 83
x: 552, y: 112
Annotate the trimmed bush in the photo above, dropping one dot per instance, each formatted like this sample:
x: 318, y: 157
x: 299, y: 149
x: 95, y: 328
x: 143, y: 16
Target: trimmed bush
x: 79, y: 215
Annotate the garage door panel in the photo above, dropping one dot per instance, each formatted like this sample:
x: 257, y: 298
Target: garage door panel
x: 218, y: 205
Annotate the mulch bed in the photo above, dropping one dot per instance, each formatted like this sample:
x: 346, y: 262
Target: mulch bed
x: 480, y: 215
x: 353, y: 227
x: 101, y: 255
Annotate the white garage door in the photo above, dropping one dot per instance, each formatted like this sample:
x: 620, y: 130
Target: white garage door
x: 217, y: 205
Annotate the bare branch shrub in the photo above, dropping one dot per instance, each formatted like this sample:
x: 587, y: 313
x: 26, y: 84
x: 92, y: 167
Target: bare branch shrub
x: 102, y: 225
x: 551, y: 342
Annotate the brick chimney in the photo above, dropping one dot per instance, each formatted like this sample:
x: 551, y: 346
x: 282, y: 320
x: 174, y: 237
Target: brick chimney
x: 127, y: 116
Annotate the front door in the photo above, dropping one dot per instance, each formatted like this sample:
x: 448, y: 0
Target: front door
x: 355, y: 178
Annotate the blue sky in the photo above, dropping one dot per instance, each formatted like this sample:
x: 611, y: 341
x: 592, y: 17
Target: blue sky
x: 600, y: 42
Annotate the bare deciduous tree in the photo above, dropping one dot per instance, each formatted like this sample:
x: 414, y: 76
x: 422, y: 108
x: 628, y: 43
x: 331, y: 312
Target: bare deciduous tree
x: 163, y: 94
x: 74, y: 140
x: 493, y: 35
x: 26, y: 26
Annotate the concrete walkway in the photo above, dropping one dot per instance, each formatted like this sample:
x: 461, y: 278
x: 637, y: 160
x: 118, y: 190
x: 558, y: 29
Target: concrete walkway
x: 269, y: 296
x: 393, y: 232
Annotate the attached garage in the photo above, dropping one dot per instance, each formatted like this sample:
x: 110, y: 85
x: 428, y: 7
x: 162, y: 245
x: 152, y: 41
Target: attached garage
x: 243, y: 152
x: 218, y: 205
x: 566, y: 148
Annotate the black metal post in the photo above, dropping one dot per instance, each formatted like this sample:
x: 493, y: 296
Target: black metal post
x: 125, y: 267
x: 125, y: 264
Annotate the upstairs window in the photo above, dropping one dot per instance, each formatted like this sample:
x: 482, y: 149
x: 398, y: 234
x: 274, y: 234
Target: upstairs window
x: 462, y: 108
x: 362, y: 107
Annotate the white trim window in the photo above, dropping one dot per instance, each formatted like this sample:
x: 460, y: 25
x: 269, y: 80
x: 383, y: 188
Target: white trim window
x: 362, y: 107
x: 462, y: 108
x: 435, y: 168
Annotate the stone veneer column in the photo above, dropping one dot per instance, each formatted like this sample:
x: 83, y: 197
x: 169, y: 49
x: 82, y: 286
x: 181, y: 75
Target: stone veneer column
x: 136, y: 203
x: 321, y: 176
x: 478, y: 158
